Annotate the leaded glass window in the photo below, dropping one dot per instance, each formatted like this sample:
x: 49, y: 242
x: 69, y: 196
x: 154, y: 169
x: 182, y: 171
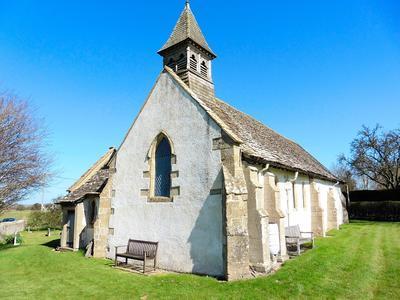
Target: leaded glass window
x: 162, y: 184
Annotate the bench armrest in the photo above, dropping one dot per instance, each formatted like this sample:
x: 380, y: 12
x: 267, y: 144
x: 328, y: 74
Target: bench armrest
x: 307, y: 232
x: 116, y: 248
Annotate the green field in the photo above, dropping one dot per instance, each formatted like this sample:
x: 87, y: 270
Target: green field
x: 361, y: 261
x: 18, y: 214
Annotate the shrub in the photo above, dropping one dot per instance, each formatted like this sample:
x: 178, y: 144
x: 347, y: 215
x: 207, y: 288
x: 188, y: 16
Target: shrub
x: 375, y: 210
x: 50, y: 218
x: 9, y: 239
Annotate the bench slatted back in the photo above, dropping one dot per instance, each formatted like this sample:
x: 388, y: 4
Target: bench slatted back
x: 137, y: 247
x: 292, y: 231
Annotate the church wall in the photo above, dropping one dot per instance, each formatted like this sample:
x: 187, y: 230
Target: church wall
x: 84, y: 230
x: 188, y: 229
x: 330, y: 197
x: 297, y: 205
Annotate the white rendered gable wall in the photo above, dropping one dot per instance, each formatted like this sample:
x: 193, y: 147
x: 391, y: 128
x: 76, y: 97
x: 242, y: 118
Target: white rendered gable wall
x: 189, y: 229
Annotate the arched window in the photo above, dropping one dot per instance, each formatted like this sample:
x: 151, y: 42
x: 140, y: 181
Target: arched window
x: 162, y: 182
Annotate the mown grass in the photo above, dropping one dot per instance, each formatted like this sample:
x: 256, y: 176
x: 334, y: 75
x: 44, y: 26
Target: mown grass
x: 361, y: 261
x: 18, y: 214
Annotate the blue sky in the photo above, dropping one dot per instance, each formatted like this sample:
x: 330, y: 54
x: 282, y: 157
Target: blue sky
x: 314, y: 71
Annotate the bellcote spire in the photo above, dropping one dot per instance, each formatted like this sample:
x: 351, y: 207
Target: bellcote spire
x: 187, y: 29
x: 187, y: 53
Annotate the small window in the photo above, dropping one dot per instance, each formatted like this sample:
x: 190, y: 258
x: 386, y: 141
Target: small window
x: 162, y: 184
x: 204, y: 69
x: 193, y: 63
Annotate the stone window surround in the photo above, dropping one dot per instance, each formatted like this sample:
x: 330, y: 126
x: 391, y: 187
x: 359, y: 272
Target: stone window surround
x: 149, y: 193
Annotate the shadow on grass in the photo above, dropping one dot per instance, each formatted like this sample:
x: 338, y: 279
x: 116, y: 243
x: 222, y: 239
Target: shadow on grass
x: 6, y: 246
x: 362, y: 222
x: 52, y: 244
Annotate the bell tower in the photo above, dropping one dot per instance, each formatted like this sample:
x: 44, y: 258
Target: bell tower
x: 187, y: 53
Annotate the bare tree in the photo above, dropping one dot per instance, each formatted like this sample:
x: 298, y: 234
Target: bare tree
x: 375, y: 155
x: 23, y: 163
x: 344, y: 173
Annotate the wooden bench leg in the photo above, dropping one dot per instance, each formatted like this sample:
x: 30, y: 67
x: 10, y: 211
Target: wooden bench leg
x: 155, y: 261
x: 144, y: 264
x: 116, y: 260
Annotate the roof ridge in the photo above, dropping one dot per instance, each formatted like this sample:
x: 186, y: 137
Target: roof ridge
x: 100, y: 163
x: 187, y: 7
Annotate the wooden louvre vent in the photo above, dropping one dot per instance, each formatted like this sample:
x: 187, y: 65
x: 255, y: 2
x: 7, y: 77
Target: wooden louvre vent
x: 181, y: 63
x: 204, y: 69
x: 193, y: 63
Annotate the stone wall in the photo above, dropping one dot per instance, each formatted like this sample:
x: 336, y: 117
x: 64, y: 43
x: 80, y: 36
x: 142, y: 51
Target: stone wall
x: 101, y: 224
x: 236, y: 222
x: 9, y: 228
x: 272, y: 198
x: 332, y: 211
x: 317, y: 211
x: 259, y: 254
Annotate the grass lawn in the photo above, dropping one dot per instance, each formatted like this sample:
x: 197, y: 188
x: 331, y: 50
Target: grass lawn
x: 18, y: 214
x: 361, y: 261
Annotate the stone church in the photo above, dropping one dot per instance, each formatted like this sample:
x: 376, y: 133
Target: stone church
x: 215, y: 187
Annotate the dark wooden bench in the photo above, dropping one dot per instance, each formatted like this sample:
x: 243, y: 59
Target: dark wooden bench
x: 295, y: 237
x: 138, y: 250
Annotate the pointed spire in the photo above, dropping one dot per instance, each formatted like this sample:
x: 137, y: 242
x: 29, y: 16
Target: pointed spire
x: 187, y: 28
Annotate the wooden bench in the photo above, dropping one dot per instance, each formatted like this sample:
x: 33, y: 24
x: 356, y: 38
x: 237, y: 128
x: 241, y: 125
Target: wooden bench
x: 138, y: 250
x: 295, y: 237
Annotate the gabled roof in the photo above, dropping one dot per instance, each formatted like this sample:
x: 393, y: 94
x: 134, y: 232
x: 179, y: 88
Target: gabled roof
x: 187, y: 28
x: 92, y: 181
x: 257, y: 141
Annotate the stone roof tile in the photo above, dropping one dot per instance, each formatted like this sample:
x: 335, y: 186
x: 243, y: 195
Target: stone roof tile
x: 256, y: 140
x: 260, y: 141
x: 187, y: 28
x: 93, y: 186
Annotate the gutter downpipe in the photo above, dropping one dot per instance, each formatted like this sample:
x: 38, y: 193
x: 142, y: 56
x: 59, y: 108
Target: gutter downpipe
x: 262, y: 172
x: 295, y: 177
